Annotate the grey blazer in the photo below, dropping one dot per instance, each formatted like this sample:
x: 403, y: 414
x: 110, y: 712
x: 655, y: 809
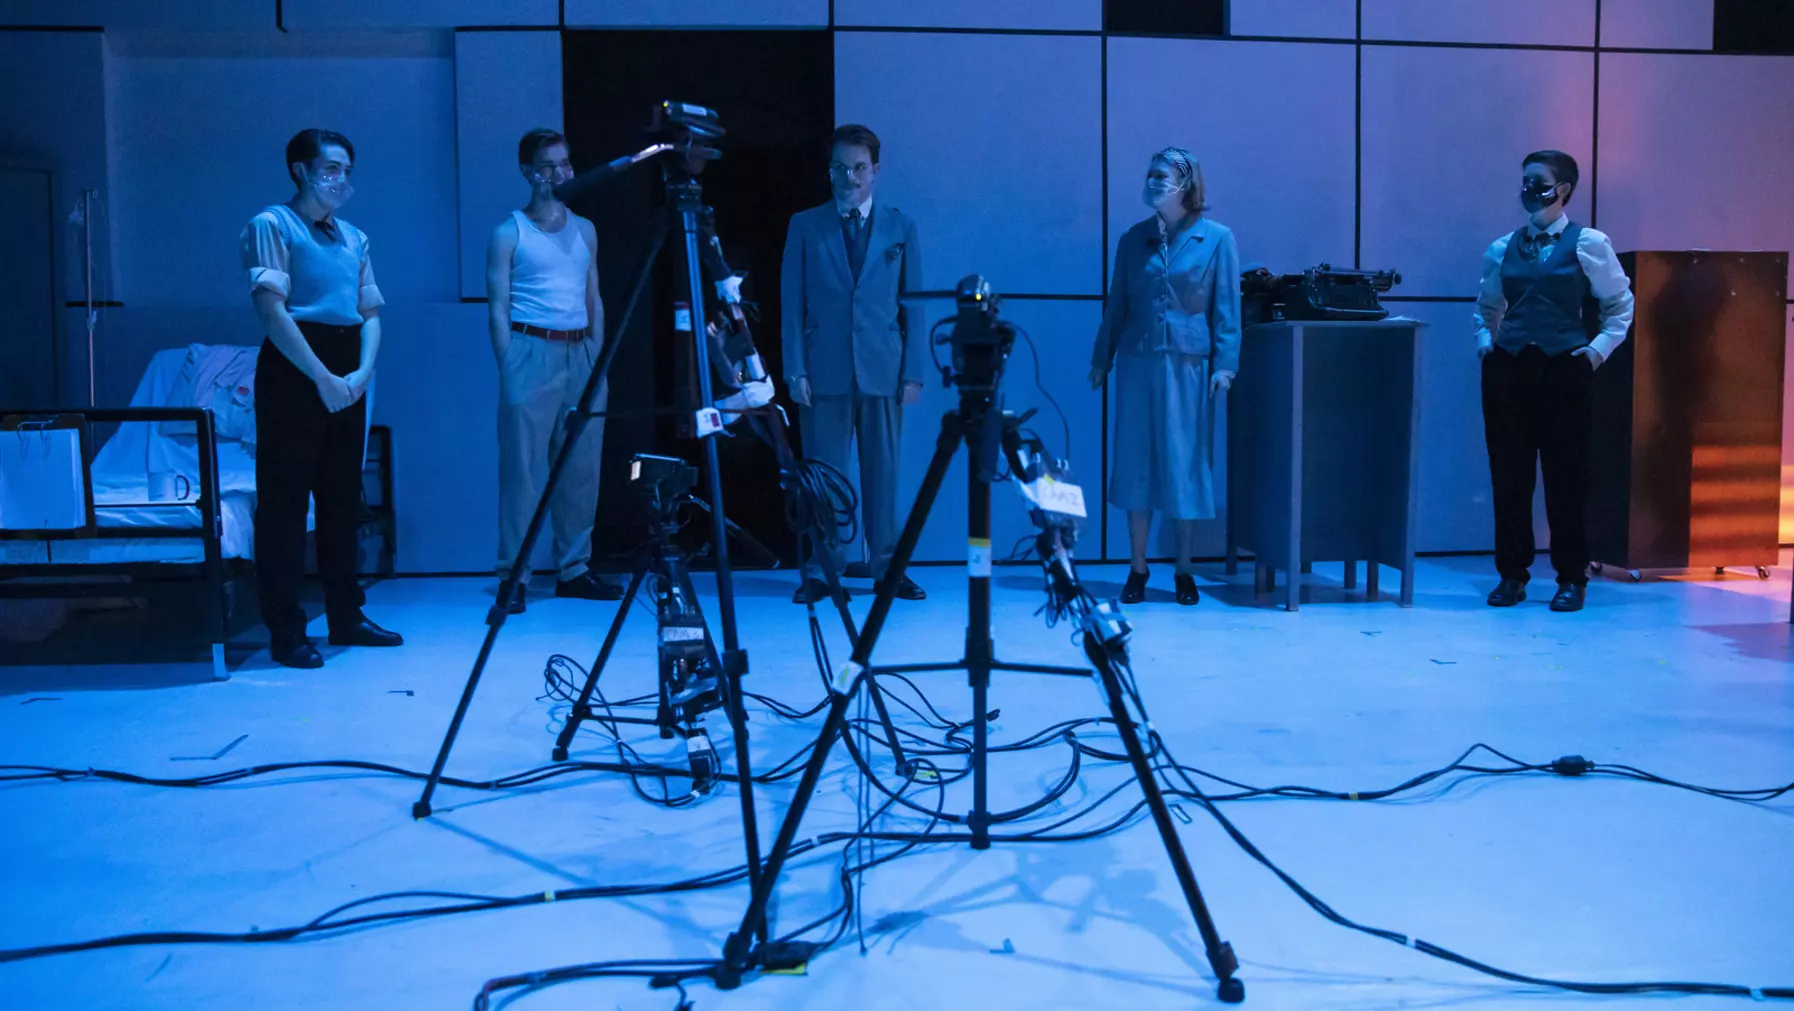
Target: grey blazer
x: 843, y: 336
x: 1183, y: 299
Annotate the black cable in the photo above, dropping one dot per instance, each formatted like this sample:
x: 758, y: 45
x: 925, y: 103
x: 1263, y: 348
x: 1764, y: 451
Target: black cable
x: 1039, y: 386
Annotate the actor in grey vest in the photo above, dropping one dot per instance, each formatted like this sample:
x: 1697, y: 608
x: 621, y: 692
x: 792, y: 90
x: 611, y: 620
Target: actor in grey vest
x: 851, y: 359
x: 1540, y: 345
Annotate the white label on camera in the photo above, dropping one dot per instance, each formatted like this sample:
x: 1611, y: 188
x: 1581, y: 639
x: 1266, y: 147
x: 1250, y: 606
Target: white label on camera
x: 710, y: 421
x: 681, y: 633
x: 978, y: 557
x: 845, y: 677
x: 1056, y: 496
x: 697, y: 742
x: 682, y: 319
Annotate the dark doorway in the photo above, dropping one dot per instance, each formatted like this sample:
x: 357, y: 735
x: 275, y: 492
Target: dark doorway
x: 775, y: 94
x: 28, y: 354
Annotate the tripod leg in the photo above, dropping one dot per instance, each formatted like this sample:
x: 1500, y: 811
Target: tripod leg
x: 738, y: 950
x: 904, y: 767
x: 945, y: 445
x: 1220, y: 954
x: 980, y: 651
x: 728, y: 684
x: 495, y: 618
x: 582, y: 709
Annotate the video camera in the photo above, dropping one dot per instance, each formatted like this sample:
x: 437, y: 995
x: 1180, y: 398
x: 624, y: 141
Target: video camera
x: 664, y: 480
x: 979, y: 339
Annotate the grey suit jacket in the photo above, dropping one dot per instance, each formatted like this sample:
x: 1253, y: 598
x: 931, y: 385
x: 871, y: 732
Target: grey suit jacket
x: 840, y: 335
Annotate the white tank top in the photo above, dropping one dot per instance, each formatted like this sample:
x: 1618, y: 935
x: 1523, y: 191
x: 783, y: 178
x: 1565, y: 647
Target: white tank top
x: 548, y: 275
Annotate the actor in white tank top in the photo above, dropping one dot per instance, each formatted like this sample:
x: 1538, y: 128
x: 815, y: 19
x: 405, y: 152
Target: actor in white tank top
x: 546, y: 324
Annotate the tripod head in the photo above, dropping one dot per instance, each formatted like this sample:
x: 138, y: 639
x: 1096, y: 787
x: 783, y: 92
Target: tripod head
x: 679, y: 137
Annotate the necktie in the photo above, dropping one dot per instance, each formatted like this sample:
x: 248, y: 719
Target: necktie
x: 856, y: 220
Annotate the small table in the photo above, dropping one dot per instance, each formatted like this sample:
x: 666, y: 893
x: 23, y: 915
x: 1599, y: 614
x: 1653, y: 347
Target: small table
x: 1323, y: 451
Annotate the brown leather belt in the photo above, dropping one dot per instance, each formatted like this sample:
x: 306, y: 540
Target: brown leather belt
x: 547, y: 334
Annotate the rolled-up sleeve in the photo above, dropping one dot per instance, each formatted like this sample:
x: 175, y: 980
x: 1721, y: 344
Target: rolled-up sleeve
x: 1608, y: 283
x: 265, y: 256
x: 370, y: 297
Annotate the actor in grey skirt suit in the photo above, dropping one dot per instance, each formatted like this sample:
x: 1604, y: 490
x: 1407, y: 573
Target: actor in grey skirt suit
x: 1171, y: 332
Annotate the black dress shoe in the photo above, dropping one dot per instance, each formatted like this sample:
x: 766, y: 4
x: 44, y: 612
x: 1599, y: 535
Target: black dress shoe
x: 301, y: 654
x: 1569, y: 597
x: 587, y: 586
x: 906, y: 589
x: 1187, y: 594
x: 1134, y: 590
x: 365, y: 634
x: 1508, y: 593
x: 814, y: 591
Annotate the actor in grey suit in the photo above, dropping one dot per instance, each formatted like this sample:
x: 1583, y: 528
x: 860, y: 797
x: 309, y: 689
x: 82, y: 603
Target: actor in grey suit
x: 1171, y: 330
x: 851, y: 361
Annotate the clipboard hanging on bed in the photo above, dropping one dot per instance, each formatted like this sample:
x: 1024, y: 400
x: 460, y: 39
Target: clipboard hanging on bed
x: 44, y: 486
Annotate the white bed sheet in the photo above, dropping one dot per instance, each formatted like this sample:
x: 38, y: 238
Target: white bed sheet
x: 126, y: 504
x: 121, y: 472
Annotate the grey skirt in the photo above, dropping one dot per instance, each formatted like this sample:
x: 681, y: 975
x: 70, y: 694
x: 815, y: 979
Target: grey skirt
x: 1164, y: 436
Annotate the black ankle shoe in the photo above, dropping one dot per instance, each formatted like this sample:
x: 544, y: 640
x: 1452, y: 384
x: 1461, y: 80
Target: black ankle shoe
x: 1569, y: 597
x: 1187, y: 594
x: 301, y: 654
x: 814, y: 591
x: 906, y: 589
x: 1508, y: 593
x: 1134, y: 590
x: 587, y: 586
x: 365, y: 634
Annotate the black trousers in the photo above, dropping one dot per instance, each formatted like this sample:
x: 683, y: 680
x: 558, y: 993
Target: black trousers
x: 304, y: 452
x: 1536, y: 417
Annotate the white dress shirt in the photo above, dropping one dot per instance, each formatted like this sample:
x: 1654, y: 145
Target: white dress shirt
x: 865, y: 210
x: 1600, y: 264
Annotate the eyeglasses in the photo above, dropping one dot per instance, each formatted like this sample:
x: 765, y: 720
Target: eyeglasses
x: 860, y: 171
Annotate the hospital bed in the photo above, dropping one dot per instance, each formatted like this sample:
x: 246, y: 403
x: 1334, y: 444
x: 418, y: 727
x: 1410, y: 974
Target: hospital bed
x: 188, y: 550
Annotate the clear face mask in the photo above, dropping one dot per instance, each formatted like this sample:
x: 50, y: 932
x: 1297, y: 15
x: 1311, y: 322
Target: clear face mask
x: 1157, y: 190
x: 553, y: 176
x: 332, y: 188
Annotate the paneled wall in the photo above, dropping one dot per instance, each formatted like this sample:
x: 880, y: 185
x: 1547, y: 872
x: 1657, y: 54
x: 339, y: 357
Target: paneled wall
x: 1383, y: 133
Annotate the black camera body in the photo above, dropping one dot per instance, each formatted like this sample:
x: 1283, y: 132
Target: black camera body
x: 664, y: 480
x: 980, y: 341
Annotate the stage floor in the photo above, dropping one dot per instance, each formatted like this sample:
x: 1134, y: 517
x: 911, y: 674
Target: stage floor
x: 1588, y: 879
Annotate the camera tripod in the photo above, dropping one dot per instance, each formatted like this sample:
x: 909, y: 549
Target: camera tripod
x: 979, y: 425
x: 688, y: 683
x: 688, y: 663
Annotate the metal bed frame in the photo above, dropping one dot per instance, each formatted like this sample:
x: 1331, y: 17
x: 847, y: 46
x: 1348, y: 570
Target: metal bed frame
x: 214, y: 579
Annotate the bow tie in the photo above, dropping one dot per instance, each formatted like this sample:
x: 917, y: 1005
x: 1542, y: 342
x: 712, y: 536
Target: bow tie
x: 327, y: 226
x: 1533, y: 243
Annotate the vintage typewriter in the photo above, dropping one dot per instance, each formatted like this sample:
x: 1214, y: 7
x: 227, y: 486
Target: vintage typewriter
x: 1319, y: 293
